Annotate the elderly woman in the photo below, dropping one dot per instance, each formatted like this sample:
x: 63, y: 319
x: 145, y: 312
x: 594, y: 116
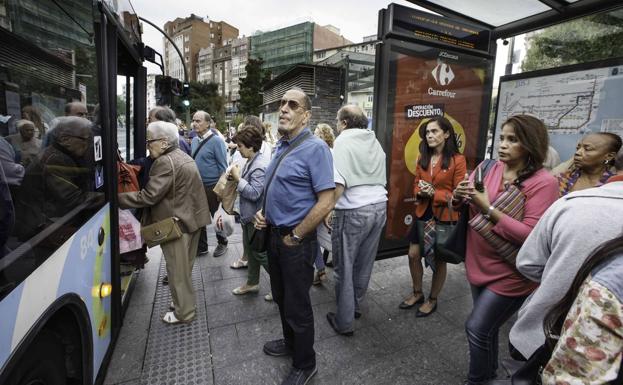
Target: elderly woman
x: 250, y: 186
x: 592, y: 162
x: 174, y: 189
x: 516, y: 192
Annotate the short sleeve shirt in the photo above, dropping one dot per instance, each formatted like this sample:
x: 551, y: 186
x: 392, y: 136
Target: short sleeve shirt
x: 306, y: 171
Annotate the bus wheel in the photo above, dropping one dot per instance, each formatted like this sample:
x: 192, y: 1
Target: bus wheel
x: 42, y: 364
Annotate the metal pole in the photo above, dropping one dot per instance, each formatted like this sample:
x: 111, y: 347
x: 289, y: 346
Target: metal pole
x: 181, y: 58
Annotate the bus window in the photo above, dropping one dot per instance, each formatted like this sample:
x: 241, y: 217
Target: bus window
x: 51, y: 139
x: 125, y: 116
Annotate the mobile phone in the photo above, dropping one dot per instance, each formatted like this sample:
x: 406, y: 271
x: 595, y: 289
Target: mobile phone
x: 478, y: 182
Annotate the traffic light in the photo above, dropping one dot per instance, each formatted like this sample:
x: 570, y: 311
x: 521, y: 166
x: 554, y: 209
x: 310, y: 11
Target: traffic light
x: 163, y: 90
x: 186, y: 94
x: 176, y: 87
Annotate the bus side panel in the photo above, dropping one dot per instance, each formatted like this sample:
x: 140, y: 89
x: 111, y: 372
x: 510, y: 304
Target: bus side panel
x: 79, y: 266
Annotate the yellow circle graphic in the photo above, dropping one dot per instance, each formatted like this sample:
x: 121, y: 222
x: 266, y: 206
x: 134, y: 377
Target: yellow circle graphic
x: 412, y: 148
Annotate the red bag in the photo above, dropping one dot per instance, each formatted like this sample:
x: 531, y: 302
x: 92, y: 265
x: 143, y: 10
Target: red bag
x: 128, y: 177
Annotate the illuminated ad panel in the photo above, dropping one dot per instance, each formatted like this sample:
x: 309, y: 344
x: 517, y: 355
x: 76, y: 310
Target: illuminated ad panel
x: 425, y: 82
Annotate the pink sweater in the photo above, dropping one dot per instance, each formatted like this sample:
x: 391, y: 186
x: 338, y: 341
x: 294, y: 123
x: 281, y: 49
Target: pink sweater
x: 484, y: 267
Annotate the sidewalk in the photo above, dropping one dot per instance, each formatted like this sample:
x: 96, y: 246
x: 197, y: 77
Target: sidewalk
x: 224, y: 344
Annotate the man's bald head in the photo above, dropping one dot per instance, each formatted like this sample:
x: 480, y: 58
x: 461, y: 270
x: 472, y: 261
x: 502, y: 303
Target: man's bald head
x: 351, y: 116
x: 76, y: 109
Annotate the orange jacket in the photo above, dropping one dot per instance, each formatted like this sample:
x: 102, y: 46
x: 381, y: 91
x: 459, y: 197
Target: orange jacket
x: 444, y: 182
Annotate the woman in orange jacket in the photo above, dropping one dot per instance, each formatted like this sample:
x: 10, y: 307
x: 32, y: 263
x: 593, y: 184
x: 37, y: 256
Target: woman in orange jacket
x: 440, y: 168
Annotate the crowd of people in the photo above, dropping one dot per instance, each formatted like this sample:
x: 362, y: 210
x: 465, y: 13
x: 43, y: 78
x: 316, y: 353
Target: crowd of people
x: 542, y: 243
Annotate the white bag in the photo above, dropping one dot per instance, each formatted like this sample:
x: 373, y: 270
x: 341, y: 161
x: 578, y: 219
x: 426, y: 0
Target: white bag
x: 129, y: 232
x: 223, y: 222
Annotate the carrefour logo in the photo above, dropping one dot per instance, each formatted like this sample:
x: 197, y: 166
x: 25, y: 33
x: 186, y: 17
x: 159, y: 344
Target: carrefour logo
x: 442, y: 73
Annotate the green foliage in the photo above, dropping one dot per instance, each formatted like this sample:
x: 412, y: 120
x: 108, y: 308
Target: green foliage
x: 251, y: 87
x: 203, y: 96
x: 121, y: 110
x: 583, y: 40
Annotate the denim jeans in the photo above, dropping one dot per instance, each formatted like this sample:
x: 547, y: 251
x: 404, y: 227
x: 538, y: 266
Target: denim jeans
x: 490, y: 312
x: 291, y: 271
x: 355, y: 240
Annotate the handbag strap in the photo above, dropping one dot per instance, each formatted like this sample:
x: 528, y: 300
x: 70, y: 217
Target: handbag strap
x: 174, y: 190
x: 201, y: 144
x: 306, y: 135
x: 247, y: 167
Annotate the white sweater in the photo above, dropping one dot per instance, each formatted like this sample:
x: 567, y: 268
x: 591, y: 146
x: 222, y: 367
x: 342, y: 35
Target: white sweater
x: 561, y: 241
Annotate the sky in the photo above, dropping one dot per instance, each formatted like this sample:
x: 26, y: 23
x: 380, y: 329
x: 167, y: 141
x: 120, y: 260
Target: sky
x: 354, y: 18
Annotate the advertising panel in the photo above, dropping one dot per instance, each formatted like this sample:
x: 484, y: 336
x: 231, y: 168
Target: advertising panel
x: 428, y: 82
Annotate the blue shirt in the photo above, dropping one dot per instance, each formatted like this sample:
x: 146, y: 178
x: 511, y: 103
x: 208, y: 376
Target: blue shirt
x: 211, y: 159
x: 306, y: 171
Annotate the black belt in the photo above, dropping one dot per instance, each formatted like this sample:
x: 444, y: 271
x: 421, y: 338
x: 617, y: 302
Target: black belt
x: 282, y: 230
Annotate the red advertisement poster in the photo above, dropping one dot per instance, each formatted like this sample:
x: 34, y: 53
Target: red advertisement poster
x: 431, y: 83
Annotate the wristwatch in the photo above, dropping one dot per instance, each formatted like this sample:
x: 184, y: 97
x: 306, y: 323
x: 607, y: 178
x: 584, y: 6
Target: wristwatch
x: 298, y: 240
x: 489, y: 211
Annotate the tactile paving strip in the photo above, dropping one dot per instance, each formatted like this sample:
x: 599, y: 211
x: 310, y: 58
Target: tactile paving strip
x: 178, y: 354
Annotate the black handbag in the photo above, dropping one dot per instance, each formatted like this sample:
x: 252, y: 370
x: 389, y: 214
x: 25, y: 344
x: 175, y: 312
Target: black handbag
x: 259, y: 237
x: 450, y: 238
x: 530, y: 373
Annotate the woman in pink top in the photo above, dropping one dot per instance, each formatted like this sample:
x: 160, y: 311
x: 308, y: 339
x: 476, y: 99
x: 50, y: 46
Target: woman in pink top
x: 517, y: 190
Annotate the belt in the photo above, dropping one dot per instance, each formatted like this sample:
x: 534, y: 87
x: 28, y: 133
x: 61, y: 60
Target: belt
x: 282, y: 230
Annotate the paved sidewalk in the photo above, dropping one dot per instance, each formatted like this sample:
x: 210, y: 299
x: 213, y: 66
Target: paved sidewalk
x: 224, y: 344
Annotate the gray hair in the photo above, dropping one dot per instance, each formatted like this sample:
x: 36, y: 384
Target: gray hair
x: 24, y: 122
x: 353, y: 115
x: 206, y: 116
x: 163, y: 114
x: 68, y: 126
x: 165, y: 130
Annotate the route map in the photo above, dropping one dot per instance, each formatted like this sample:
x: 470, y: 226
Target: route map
x: 570, y: 104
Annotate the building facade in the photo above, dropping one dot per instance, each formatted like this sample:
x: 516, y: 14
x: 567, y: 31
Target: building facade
x: 285, y: 47
x: 324, y: 85
x: 192, y: 34
x: 151, y: 92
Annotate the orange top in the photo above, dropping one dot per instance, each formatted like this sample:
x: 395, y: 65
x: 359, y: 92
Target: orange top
x: 444, y: 182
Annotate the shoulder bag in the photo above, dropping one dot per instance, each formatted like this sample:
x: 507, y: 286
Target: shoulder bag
x: 258, y: 237
x: 165, y: 230
x: 451, y: 238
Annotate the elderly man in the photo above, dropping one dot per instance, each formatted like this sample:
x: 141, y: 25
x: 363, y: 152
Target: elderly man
x: 25, y: 142
x: 174, y: 190
x: 58, y: 181
x: 76, y: 109
x: 299, y: 194
x: 565, y: 236
x: 360, y: 213
x: 210, y: 153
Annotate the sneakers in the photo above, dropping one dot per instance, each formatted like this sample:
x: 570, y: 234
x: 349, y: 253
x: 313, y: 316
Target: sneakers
x: 244, y: 289
x: 268, y: 297
x: 299, y: 376
x: 220, y: 250
x: 277, y: 348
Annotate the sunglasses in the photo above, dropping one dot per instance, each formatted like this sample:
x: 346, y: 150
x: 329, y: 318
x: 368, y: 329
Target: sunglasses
x: 292, y: 104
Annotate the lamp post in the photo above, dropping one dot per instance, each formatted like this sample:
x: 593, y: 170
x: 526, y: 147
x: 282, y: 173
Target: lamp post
x: 186, y: 83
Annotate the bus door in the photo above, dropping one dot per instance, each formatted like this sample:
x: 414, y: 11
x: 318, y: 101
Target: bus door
x: 426, y: 66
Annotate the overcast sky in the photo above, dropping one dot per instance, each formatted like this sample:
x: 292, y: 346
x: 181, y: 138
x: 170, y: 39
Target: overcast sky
x: 354, y: 18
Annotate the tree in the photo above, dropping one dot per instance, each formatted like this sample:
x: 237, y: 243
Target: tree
x: 203, y: 96
x: 583, y: 40
x: 251, y: 87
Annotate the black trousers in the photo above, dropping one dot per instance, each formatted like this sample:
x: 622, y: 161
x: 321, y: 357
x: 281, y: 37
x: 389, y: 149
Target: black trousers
x: 213, y: 204
x: 291, y: 274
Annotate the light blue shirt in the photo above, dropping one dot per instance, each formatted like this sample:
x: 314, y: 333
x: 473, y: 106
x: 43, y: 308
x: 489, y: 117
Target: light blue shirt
x: 306, y: 171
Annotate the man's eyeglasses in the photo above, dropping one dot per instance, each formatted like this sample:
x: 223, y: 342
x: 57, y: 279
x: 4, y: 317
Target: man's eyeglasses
x: 292, y: 104
x: 148, y: 141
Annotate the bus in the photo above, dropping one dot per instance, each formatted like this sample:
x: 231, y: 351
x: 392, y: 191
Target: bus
x: 63, y: 288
